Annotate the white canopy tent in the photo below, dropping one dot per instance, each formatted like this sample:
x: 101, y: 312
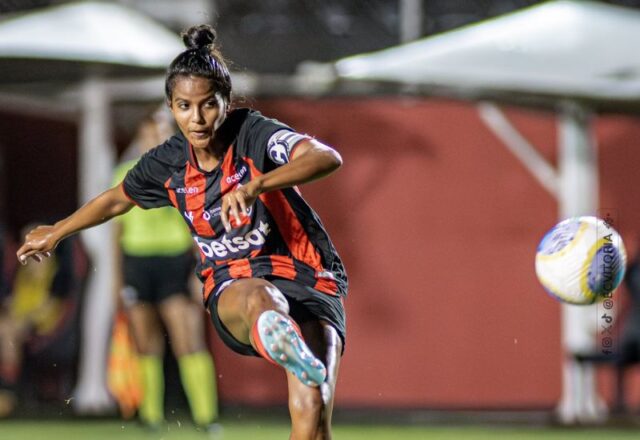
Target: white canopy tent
x: 84, y: 37
x: 576, y: 57
x: 85, y: 44
x: 564, y: 49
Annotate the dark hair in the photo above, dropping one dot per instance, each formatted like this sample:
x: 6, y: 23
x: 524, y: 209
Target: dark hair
x: 201, y: 58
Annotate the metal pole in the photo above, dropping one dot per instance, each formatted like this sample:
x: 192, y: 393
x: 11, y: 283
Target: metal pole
x: 410, y: 17
x: 578, y: 195
x: 96, y: 160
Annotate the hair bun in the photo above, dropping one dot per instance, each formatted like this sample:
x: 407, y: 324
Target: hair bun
x: 197, y: 37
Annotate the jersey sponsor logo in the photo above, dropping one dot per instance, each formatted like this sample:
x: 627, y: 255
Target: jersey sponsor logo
x: 235, y: 178
x: 206, y: 215
x: 215, y: 212
x: 187, y: 190
x: 227, y: 247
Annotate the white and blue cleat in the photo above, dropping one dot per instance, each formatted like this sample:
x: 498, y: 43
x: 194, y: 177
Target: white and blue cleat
x: 284, y: 345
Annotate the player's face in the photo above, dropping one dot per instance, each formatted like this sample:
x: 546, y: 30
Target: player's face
x: 197, y: 109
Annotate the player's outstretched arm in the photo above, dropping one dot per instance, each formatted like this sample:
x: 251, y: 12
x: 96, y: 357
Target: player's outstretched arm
x: 40, y: 241
x: 311, y: 160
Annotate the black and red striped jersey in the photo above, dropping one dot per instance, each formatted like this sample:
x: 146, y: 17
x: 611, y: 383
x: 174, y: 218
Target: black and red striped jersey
x: 282, y: 236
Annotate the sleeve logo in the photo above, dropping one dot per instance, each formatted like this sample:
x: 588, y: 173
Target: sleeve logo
x: 281, y: 144
x: 278, y: 152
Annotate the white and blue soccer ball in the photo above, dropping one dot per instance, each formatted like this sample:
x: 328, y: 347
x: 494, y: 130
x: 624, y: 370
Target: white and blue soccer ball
x: 581, y: 260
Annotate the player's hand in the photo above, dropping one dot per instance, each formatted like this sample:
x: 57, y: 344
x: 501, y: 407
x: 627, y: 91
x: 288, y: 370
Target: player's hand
x: 236, y: 205
x: 38, y: 244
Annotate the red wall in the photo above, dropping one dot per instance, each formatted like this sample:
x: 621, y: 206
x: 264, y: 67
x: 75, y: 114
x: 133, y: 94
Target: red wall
x: 437, y: 224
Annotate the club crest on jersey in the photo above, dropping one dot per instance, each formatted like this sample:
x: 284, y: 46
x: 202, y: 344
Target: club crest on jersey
x: 280, y: 145
x: 278, y: 152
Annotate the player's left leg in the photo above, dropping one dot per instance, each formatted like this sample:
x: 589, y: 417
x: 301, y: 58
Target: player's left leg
x: 311, y: 408
x: 252, y: 317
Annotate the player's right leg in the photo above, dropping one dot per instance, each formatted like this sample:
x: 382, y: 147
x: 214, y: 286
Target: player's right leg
x: 255, y: 313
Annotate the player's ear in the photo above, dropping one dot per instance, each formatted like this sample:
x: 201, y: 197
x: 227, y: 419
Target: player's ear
x: 223, y: 106
x: 223, y: 103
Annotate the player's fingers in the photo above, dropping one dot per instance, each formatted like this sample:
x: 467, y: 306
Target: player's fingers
x: 234, y: 210
x: 243, y: 204
x: 24, y: 252
x: 24, y: 256
x: 224, y: 215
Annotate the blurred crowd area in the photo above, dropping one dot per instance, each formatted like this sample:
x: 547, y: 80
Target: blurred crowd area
x: 40, y: 306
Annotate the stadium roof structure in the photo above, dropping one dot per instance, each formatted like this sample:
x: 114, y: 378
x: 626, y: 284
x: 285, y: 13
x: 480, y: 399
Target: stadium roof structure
x: 72, y: 40
x: 578, y: 50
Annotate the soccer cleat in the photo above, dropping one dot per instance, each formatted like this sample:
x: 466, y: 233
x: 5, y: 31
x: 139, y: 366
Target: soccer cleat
x: 279, y: 340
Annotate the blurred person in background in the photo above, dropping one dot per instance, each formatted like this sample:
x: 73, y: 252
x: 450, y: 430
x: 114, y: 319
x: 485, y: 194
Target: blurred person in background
x: 274, y: 284
x: 7, y: 375
x: 7, y: 398
x: 37, y: 318
x: 155, y: 256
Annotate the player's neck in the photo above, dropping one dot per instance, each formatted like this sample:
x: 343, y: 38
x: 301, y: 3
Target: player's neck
x: 206, y: 158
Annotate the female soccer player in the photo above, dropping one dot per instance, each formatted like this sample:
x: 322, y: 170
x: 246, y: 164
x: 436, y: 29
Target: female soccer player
x: 273, y: 281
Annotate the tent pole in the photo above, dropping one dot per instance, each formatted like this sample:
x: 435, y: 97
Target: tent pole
x: 575, y: 185
x: 96, y: 160
x: 578, y: 195
x: 410, y: 20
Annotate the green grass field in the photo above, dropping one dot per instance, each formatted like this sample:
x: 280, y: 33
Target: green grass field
x: 235, y: 430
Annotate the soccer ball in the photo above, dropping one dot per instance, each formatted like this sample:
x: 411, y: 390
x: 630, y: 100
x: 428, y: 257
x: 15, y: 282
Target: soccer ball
x: 581, y: 260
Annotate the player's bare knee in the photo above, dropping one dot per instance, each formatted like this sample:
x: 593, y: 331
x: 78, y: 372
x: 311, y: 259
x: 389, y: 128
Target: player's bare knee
x: 262, y: 297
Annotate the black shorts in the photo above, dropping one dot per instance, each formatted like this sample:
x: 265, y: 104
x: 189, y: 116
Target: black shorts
x: 154, y: 279
x: 305, y: 304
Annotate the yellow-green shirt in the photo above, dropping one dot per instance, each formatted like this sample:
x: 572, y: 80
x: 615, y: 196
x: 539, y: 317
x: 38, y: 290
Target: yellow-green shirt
x: 153, y: 232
